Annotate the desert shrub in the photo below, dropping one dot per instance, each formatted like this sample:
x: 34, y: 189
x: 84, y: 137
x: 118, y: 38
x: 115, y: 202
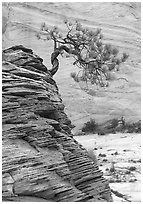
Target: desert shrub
x: 114, y: 123
x: 104, y: 131
x: 90, y: 126
x: 137, y: 127
x: 129, y: 128
x: 111, y: 126
x: 101, y: 132
x: 132, y: 127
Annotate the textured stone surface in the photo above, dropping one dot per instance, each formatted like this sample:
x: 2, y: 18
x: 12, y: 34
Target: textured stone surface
x: 41, y: 159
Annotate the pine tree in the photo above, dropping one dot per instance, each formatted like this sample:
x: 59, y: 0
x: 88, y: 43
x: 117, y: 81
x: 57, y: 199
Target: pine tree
x: 96, y: 60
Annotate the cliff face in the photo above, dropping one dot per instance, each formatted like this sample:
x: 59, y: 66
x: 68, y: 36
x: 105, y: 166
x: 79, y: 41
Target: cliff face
x: 41, y: 160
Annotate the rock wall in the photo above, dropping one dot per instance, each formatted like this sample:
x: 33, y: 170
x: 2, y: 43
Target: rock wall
x: 41, y: 159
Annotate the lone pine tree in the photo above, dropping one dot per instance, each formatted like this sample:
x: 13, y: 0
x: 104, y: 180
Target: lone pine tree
x: 96, y: 60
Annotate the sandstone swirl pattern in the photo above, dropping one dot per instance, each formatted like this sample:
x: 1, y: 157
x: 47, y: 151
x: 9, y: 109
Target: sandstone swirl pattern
x: 41, y: 160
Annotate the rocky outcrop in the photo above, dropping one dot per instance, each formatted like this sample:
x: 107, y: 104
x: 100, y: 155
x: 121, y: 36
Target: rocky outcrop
x: 41, y: 159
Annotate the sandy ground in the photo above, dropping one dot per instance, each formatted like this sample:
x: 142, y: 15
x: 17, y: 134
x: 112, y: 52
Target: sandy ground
x: 125, y: 151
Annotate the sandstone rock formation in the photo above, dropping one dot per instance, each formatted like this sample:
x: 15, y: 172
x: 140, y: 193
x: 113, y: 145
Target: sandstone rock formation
x: 41, y: 159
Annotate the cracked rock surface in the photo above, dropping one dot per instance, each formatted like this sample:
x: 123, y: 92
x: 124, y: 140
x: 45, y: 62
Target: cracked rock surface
x: 41, y: 159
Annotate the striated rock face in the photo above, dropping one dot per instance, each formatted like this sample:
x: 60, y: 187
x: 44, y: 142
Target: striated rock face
x: 41, y: 160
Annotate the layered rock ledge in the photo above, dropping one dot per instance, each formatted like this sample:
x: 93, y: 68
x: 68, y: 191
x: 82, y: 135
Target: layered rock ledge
x: 41, y: 159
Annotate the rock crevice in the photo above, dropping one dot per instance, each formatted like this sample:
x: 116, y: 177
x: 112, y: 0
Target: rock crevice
x: 41, y: 159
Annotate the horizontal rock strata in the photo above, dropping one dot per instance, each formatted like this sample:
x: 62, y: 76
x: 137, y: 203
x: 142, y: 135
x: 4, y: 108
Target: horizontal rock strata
x: 41, y: 160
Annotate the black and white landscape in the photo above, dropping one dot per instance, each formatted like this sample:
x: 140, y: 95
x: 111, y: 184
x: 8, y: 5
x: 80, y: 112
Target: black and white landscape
x: 49, y: 154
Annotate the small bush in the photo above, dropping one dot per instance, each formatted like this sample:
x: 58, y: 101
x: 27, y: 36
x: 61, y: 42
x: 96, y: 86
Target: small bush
x: 137, y: 126
x: 111, y: 127
x: 114, y: 123
x: 101, y: 132
x: 129, y: 128
x: 133, y: 128
x: 90, y: 126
